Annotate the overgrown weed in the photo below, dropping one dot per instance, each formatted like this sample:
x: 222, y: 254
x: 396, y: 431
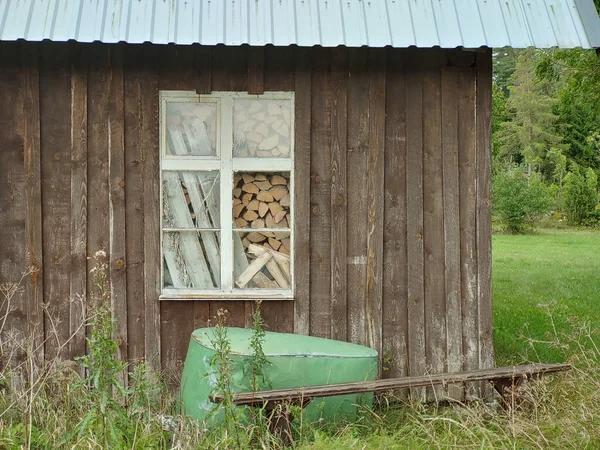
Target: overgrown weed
x: 57, y: 407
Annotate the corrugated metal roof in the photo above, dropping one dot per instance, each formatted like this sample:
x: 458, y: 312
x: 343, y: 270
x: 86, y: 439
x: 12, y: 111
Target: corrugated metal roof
x: 376, y: 23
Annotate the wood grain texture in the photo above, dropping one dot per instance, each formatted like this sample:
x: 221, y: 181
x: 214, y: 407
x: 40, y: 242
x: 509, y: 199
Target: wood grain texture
x: 116, y: 199
x: 34, y: 289
x: 394, y: 295
x: 320, y: 196
x: 13, y: 198
x: 204, y: 62
x: 414, y: 225
x: 339, y: 204
x: 230, y: 69
x: 357, y: 170
x: 484, y: 207
x: 79, y: 167
x: 279, y: 68
x: 433, y: 217
x: 302, y: 214
x: 55, y: 109
x: 468, y: 210
x: 176, y: 318
x: 256, y: 70
x: 375, y: 187
x: 151, y: 189
x: 451, y: 223
x: 134, y: 202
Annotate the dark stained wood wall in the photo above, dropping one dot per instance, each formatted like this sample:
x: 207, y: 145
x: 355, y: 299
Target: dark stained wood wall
x: 392, y: 195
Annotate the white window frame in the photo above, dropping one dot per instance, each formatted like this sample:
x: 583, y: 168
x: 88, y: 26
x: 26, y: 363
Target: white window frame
x: 227, y: 165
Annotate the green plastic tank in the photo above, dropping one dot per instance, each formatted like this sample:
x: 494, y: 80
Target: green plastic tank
x: 296, y: 361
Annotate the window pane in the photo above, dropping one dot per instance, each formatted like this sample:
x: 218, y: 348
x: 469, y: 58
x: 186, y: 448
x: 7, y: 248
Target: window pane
x: 261, y: 200
x: 192, y: 259
x: 191, y: 129
x: 262, y: 128
x: 262, y: 260
x: 191, y: 199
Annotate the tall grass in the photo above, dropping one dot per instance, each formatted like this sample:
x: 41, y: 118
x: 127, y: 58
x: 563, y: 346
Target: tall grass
x: 62, y: 406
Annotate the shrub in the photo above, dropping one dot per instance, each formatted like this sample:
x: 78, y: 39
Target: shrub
x: 581, y: 196
x: 517, y: 200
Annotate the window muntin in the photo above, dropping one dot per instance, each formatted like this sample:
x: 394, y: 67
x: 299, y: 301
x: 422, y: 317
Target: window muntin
x: 211, y: 146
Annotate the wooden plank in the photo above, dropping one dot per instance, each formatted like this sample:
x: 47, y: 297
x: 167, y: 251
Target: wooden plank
x: 256, y: 70
x: 176, y: 329
x: 55, y: 109
x: 34, y: 289
x: 98, y: 237
x: 79, y: 167
x: 433, y: 217
x: 451, y: 224
x: 279, y: 69
x: 236, y: 312
x: 375, y: 189
x: 14, y: 193
x: 204, y: 61
x: 339, y: 114
x: 484, y: 213
x: 357, y: 167
x: 395, y: 318
x: 279, y: 315
x: 414, y: 224
x: 468, y: 212
x: 330, y: 390
x: 116, y: 199
x: 177, y: 68
x: 230, y: 70
x: 320, y: 195
x: 134, y: 202
x: 302, y: 215
x: 151, y: 158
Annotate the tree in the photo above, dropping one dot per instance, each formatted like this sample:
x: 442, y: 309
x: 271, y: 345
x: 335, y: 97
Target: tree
x: 581, y: 195
x: 531, y: 133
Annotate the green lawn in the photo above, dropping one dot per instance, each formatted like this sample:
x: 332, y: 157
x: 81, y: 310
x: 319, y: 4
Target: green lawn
x: 551, y: 267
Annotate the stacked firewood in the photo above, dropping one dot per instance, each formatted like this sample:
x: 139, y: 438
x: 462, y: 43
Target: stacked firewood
x: 261, y: 201
x: 262, y: 128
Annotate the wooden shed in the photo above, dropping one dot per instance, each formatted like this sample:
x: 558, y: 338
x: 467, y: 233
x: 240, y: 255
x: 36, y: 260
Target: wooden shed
x: 353, y: 142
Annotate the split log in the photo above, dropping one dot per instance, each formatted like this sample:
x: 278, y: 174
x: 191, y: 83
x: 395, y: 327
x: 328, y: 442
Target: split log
x: 264, y: 196
x: 252, y: 270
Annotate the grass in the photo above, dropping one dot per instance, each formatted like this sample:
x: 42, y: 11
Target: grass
x: 557, y: 268
x: 547, y: 297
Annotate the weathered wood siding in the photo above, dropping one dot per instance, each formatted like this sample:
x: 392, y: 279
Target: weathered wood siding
x: 392, y: 194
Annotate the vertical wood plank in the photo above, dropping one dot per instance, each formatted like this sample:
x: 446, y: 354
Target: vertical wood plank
x: 55, y: 130
x: 278, y: 315
x: 451, y: 224
x: 79, y: 167
x: 320, y: 195
x: 98, y: 237
x: 414, y: 225
x: 339, y: 111
x: 14, y: 193
x: 230, y: 70
x: 484, y: 214
x: 279, y: 68
x: 150, y: 147
x: 116, y: 198
x: 395, y: 318
x: 33, y: 218
x: 468, y: 209
x: 302, y: 222
x: 134, y: 202
x: 375, y: 189
x: 256, y: 70
x: 433, y: 218
x: 204, y: 61
x: 357, y: 169
x: 176, y: 317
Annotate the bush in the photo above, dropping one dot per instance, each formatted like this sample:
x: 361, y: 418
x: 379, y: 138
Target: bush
x: 519, y: 201
x: 581, y: 196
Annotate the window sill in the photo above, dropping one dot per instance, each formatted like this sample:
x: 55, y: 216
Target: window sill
x: 181, y: 294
